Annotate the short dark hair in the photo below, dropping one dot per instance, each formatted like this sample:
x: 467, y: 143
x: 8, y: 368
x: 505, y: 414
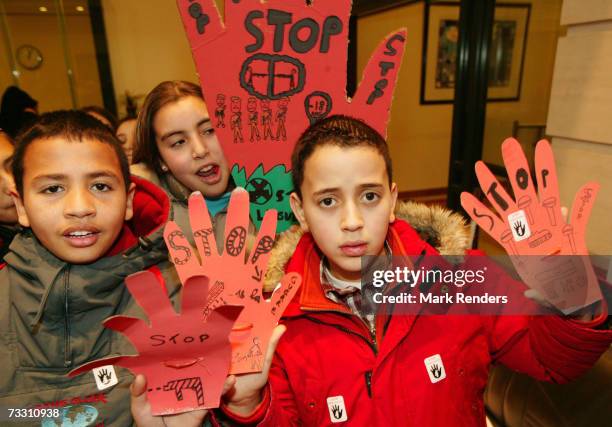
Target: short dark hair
x: 110, y: 117
x: 145, y: 150
x: 72, y: 125
x: 341, y: 131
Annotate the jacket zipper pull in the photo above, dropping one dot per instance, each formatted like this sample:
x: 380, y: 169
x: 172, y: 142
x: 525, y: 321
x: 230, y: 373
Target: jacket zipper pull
x: 368, y: 381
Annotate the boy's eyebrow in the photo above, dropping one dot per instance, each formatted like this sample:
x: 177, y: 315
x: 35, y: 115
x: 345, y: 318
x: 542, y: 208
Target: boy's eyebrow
x: 334, y: 189
x: 178, y: 132
x: 61, y: 177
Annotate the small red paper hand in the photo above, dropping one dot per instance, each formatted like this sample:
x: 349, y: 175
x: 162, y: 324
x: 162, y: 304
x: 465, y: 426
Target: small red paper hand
x: 237, y: 277
x: 532, y: 229
x: 184, y: 358
x: 274, y: 67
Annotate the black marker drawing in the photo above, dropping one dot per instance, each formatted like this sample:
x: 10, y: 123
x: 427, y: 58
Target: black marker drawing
x: 105, y: 376
x: 522, y: 178
x: 253, y: 118
x: 317, y: 105
x: 203, y: 236
x: 507, y: 239
x: 266, y: 119
x: 498, y: 199
x: 272, y: 77
x: 263, y: 247
x: 568, y: 232
x: 220, y: 111
x: 545, y: 173
x: 260, y: 191
x: 181, y: 384
x: 487, y: 216
x: 236, y: 239
x: 202, y: 19
x: 236, y: 119
x: 539, y: 238
x: 550, y: 203
x: 519, y: 228
x: 281, y: 118
x: 179, y: 234
x: 337, y: 412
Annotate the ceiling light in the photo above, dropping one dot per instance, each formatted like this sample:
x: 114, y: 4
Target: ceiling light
x: 43, y: 9
x: 80, y: 9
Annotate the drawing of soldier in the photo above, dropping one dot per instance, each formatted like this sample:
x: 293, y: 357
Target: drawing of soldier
x: 253, y: 118
x: 281, y: 117
x: 220, y: 111
x: 266, y: 119
x: 236, y: 120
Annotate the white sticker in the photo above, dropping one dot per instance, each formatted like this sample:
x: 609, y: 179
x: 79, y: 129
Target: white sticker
x: 519, y: 225
x: 105, y: 376
x: 337, y: 410
x: 435, y: 368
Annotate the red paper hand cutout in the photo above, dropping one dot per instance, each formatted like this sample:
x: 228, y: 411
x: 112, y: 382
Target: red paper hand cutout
x: 532, y: 230
x: 184, y: 358
x: 237, y: 277
x: 274, y: 67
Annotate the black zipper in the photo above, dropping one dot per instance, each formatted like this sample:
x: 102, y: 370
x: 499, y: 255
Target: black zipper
x: 371, y: 343
x: 368, y: 382
x: 67, y: 358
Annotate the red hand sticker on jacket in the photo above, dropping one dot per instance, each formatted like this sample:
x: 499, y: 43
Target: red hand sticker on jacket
x: 184, y: 358
x: 274, y: 67
x: 236, y: 277
x: 532, y: 230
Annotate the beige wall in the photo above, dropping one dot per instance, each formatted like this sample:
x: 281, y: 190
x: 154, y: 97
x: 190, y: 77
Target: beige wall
x: 147, y: 45
x: 419, y: 135
x: 49, y: 83
x: 579, y: 116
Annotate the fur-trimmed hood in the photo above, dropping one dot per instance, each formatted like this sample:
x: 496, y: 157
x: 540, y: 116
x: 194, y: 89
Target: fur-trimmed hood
x: 441, y: 228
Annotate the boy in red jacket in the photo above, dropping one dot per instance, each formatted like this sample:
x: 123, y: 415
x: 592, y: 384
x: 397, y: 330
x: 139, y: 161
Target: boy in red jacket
x: 338, y: 363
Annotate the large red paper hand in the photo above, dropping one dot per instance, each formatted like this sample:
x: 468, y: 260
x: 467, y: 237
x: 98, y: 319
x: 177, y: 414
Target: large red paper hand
x: 184, y: 358
x: 274, y: 67
x: 237, y: 277
x: 532, y: 229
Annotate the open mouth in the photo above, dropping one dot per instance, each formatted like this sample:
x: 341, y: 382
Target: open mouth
x: 82, y: 238
x: 210, y: 174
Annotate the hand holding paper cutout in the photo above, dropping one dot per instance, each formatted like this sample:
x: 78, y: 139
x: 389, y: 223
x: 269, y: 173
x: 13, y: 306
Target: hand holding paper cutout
x: 184, y: 358
x: 236, y: 277
x: 532, y: 230
x: 283, y: 66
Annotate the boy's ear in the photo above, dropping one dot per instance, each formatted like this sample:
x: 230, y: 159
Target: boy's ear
x: 22, y: 216
x: 129, y: 207
x: 393, y: 202
x: 298, y: 210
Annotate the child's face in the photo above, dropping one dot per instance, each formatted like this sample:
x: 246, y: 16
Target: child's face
x: 346, y: 204
x: 8, y: 214
x: 189, y: 148
x: 126, y: 133
x: 74, y: 197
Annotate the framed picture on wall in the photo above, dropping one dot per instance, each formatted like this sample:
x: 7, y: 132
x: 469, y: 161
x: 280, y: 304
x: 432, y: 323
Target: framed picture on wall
x: 506, y: 52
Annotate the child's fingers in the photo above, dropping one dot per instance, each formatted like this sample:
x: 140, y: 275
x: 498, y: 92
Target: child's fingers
x: 138, y: 386
x: 482, y: 216
x: 496, y: 194
x: 181, y: 252
x: 237, y: 224
x: 548, y: 185
x: 201, y: 226
x: 277, y: 333
x: 195, y: 295
x: 520, y: 179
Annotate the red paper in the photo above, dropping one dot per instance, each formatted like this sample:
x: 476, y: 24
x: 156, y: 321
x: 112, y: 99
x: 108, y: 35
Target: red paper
x: 274, y: 67
x: 532, y: 230
x: 184, y: 358
x: 236, y: 277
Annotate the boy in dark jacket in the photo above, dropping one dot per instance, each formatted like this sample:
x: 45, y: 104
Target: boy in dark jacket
x: 339, y: 363
x: 88, y: 225
x: 8, y: 213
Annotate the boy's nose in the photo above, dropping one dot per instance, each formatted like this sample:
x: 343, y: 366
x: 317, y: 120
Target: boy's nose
x: 79, y: 204
x: 351, y: 217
